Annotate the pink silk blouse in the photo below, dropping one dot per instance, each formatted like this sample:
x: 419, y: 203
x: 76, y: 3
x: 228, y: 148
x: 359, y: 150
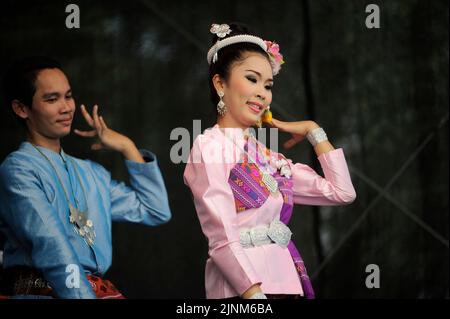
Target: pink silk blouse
x: 230, y: 268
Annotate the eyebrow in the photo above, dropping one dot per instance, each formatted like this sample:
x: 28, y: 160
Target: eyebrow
x: 54, y: 94
x: 259, y: 74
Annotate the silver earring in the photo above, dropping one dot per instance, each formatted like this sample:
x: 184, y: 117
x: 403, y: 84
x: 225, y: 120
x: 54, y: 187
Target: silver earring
x: 221, y: 107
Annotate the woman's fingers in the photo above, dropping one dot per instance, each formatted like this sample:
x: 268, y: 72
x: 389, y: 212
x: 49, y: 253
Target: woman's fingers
x: 282, y: 126
x: 297, y: 130
x: 289, y: 143
x: 86, y: 116
x: 292, y: 141
x: 86, y: 133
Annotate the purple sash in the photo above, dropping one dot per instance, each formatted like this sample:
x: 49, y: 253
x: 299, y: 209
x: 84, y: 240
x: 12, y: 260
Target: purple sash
x: 285, y: 187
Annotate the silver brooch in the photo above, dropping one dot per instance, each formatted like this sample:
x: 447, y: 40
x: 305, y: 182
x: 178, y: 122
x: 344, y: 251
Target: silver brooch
x: 283, y: 167
x: 221, y: 30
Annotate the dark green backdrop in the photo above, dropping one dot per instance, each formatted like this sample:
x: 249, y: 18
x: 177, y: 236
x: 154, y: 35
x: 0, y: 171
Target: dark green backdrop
x: 381, y: 94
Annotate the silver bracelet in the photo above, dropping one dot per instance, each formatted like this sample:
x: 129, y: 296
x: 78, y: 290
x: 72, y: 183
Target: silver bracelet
x: 316, y: 136
x: 258, y: 295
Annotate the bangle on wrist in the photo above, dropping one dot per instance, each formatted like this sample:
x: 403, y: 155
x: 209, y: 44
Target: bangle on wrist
x: 316, y: 136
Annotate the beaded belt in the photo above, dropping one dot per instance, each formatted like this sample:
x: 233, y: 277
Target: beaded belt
x: 21, y: 280
x: 276, y: 232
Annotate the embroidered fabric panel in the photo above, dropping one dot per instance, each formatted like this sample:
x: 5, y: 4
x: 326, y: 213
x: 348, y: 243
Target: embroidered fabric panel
x: 246, y: 180
x: 248, y: 189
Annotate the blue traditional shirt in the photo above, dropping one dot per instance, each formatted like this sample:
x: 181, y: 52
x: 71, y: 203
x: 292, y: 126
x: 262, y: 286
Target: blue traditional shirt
x: 34, y: 213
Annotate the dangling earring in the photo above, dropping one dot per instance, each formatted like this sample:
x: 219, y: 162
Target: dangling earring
x: 267, y: 115
x: 258, y: 123
x: 221, y: 107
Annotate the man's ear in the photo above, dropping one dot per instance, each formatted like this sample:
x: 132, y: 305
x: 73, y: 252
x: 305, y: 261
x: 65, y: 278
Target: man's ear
x: 20, y: 109
x: 218, y: 83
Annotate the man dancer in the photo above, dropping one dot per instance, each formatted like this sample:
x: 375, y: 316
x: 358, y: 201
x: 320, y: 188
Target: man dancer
x: 55, y: 209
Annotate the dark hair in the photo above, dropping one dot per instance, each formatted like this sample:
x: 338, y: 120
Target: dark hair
x: 229, y: 55
x: 20, y: 79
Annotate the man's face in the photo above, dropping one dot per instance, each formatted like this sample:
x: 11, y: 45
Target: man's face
x: 53, y: 106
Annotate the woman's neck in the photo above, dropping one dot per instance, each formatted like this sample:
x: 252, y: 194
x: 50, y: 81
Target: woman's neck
x: 225, y: 122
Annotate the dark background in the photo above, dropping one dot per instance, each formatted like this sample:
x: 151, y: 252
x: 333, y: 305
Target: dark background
x: 381, y: 94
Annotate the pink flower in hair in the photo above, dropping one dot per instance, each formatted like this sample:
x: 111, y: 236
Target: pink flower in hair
x: 276, y: 58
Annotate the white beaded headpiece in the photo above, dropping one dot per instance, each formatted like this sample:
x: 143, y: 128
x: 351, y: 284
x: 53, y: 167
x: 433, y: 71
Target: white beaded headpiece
x: 222, y: 30
x: 212, y: 53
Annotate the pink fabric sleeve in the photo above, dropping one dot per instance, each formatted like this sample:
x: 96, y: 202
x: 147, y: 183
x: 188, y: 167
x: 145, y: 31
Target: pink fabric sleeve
x: 214, y: 202
x: 311, y: 188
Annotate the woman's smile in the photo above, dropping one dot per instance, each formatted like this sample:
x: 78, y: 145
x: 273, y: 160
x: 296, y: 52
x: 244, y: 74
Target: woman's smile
x: 255, y: 107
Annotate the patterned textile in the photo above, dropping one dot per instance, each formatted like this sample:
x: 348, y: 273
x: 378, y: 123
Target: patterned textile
x: 248, y: 189
x: 104, y: 289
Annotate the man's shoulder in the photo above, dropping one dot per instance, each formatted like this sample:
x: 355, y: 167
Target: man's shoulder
x: 20, y: 157
x: 17, y: 165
